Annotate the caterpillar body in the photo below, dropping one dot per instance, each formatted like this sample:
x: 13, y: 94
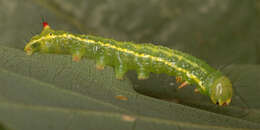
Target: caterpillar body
x: 144, y: 58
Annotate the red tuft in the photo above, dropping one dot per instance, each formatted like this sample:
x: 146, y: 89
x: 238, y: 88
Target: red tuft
x: 45, y: 24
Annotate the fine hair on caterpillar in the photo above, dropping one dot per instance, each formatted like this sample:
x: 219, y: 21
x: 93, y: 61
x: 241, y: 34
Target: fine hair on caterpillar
x: 144, y: 58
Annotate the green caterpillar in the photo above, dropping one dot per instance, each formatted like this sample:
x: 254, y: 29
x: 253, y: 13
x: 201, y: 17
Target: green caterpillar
x: 144, y: 58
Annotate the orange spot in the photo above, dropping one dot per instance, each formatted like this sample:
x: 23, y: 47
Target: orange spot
x: 76, y: 58
x: 196, y: 90
x: 120, y: 97
x: 119, y: 78
x: 128, y: 118
x: 100, y: 67
x: 183, y: 85
x: 28, y: 51
x: 178, y: 79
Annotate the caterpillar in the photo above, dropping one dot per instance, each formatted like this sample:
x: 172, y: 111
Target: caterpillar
x: 144, y: 58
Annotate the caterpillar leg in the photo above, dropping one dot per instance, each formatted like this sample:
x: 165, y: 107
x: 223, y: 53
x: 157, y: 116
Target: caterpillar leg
x: 120, y: 71
x: 142, y: 73
x: 178, y: 79
x: 184, y: 84
x: 100, y: 67
x: 76, y: 58
x: 100, y: 63
x: 77, y: 55
x: 196, y: 90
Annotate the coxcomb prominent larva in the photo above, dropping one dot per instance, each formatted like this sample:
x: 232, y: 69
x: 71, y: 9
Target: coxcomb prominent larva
x: 144, y: 58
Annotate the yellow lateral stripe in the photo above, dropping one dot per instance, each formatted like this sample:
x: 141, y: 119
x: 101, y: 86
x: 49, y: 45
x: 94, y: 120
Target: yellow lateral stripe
x: 183, y: 58
x: 158, y: 59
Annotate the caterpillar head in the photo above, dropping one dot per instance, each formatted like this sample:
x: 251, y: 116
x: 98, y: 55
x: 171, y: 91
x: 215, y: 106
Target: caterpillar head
x: 221, y: 91
x: 35, y: 43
